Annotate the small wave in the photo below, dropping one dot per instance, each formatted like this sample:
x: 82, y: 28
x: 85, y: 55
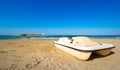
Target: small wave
x: 117, y: 37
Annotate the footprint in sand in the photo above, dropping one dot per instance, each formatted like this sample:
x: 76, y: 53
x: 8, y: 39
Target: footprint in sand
x: 2, y: 52
x: 29, y: 66
x: 13, y: 67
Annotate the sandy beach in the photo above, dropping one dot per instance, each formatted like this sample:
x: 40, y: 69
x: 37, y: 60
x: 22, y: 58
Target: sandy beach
x: 30, y: 54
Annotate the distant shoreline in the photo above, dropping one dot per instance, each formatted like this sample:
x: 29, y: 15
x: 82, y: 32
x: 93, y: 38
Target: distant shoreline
x: 54, y: 37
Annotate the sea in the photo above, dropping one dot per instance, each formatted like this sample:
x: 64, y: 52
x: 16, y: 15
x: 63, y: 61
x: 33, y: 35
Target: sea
x: 54, y: 37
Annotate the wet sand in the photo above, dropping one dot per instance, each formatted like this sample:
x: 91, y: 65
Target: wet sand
x: 29, y: 54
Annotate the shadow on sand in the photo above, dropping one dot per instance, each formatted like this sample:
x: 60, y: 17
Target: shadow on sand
x: 95, y: 56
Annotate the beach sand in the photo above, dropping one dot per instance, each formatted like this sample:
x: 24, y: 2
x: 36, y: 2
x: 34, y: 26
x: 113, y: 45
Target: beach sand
x: 32, y: 54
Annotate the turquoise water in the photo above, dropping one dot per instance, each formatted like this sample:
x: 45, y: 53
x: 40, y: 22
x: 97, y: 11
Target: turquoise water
x: 4, y: 37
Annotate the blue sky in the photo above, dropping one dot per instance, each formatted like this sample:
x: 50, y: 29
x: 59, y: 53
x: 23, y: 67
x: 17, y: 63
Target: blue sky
x: 60, y: 16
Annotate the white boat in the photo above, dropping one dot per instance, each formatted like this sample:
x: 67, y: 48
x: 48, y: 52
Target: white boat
x: 82, y: 47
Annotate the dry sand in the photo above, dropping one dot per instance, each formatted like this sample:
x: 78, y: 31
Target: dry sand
x: 42, y: 55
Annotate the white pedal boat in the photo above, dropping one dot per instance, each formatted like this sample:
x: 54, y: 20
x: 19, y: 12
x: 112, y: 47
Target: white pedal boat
x: 82, y: 47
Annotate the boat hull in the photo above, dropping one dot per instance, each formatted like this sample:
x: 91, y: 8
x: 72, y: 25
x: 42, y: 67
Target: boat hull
x: 103, y: 52
x: 82, y: 55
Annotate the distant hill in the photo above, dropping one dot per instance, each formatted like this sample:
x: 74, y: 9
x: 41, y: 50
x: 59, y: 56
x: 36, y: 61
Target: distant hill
x: 42, y: 34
